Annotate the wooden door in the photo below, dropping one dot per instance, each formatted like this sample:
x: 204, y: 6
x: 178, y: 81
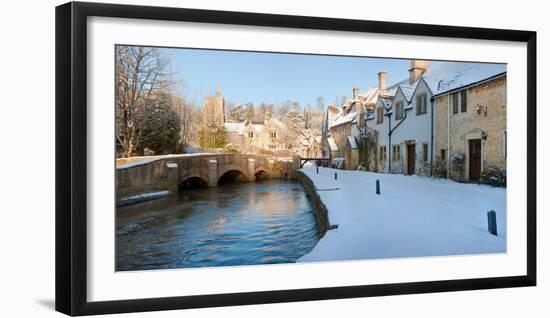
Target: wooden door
x: 475, y: 159
x: 411, y: 158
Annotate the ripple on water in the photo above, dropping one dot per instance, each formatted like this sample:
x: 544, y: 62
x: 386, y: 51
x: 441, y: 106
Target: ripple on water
x: 268, y: 222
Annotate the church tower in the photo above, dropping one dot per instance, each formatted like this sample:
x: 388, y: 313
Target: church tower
x: 214, y: 108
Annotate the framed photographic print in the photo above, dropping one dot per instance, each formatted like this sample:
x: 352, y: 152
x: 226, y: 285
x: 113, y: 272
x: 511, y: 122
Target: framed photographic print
x: 210, y: 158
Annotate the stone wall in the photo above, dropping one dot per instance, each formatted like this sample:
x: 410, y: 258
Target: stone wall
x: 155, y: 176
x: 320, y: 210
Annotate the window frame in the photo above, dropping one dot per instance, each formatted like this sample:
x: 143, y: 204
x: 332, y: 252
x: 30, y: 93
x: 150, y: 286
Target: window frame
x: 396, y: 152
x: 422, y: 108
x: 463, y: 94
x: 380, y: 115
x: 399, y: 110
x: 454, y: 106
x: 382, y: 155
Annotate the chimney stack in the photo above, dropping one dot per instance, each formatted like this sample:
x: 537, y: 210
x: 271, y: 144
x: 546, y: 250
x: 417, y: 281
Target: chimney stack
x: 418, y: 67
x: 382, y: 76
x: 355, y: 92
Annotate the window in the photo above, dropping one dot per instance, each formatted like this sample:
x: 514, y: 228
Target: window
x: 250, y: 134
x: 463, y: 101
x: 459, y: 99
x: 443, y: 154
x: 398, y: 110
x: 272, y: 147
x: 380, y: 115
x: 396, y: 152
x: 382, y: 153
x: 425, y: 152
x: 421, y: 104
x: 273, y: 134
x: 454, y: 103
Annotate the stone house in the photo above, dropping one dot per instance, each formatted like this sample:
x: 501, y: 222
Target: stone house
x: 271, y: 136
x: 408, y: 125
x: 345, y: 125
x: 420, y: 124
x: 470, y: 127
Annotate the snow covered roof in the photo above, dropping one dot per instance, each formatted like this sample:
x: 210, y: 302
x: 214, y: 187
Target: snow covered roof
x: 352, y: 142
x: 257, y: 127
x: 442, y: 77
x: 344, y: 118
x: 408, y: 90
x: 234, y: 127
x: 332, y: 144
x: 240, y: 127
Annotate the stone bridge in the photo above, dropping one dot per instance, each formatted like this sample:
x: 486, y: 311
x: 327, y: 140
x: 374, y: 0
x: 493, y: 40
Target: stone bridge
x: 161, y: 173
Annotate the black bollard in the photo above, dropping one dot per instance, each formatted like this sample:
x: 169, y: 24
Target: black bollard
x: 377, y: 186
x: 336, y: 176
x: 492, y: 222
x: 317, y: 169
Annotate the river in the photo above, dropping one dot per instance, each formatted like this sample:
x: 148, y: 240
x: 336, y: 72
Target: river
x: 263, y: 222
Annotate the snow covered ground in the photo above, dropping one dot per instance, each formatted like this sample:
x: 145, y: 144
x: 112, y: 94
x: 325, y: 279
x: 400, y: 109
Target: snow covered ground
x: 413, y: 216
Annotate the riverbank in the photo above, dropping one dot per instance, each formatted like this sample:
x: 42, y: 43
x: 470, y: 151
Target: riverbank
x: 413, y: 216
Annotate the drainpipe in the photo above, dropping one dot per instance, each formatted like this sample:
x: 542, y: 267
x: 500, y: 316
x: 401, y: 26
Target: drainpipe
x: 432, y: 137
x: 389, y: 145
x: 448, y: 132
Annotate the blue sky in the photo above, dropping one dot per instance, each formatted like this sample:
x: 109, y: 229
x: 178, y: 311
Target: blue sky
x: 276, y: 77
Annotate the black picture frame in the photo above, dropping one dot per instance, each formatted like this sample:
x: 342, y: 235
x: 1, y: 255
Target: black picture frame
x: 71, y: 157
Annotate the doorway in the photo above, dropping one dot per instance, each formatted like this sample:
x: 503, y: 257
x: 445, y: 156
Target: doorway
x: 474, y: 160
x: 411, y: 158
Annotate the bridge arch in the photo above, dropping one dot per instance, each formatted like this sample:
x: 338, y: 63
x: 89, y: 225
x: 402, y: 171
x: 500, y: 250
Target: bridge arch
x: 232, y: 175
x: 261, y: 172
x: 192, y: 181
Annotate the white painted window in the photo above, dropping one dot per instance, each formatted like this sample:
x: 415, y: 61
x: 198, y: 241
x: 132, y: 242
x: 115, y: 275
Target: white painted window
x: 380, y: 115
x: 382, y: 153
x: 396, y: 152
x: 399, y: 110
x: 421, y: 104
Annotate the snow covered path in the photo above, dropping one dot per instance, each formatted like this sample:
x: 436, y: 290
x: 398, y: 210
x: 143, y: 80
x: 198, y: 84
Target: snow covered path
x: 413, y: 216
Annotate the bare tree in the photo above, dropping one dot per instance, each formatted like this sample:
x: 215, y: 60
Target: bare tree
x: 140, y: 74
x: 320, y: 103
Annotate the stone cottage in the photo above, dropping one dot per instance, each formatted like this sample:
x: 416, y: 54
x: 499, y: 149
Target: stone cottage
x: 470, y: 124
x: 439, y: 116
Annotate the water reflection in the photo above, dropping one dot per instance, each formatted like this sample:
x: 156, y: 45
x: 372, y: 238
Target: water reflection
x: 263, y: 222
